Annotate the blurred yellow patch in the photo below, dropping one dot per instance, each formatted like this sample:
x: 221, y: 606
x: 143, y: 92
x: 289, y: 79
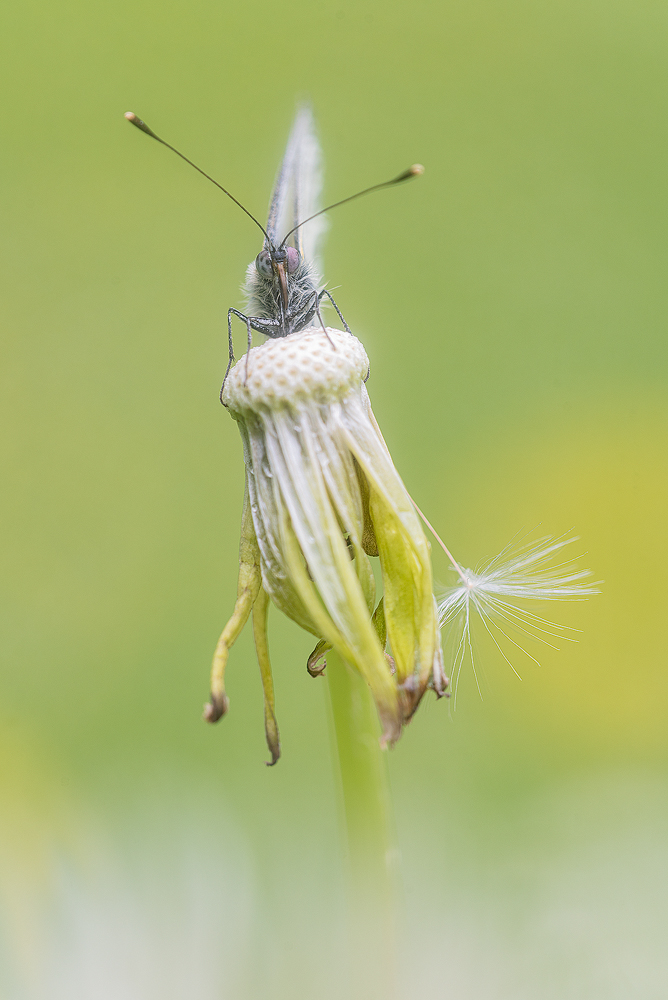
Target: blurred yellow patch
x: 605, y: 474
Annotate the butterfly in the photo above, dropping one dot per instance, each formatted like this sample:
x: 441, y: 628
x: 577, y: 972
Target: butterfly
x: 282, y: 284
x: 282, y: 287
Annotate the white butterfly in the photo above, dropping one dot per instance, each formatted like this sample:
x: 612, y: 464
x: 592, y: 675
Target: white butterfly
x: 282, y: 285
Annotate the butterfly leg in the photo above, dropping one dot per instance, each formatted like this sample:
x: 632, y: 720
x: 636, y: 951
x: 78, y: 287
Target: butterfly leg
x: 231, y: 348
x: 317, y: 309
x: 338, y: 311
x: 248, y: 349
x: 340, y: 315
x: 247, y: 321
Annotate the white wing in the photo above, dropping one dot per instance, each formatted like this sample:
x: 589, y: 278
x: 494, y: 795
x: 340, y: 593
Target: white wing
x: 296, y: 193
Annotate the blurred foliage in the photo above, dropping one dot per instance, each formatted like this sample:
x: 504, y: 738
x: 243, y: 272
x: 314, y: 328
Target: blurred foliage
x: 513, y: 305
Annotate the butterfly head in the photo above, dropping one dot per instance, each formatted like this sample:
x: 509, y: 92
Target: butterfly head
x: 277, y: 265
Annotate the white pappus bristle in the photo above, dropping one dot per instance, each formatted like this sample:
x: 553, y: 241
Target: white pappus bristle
x: 532, y: 570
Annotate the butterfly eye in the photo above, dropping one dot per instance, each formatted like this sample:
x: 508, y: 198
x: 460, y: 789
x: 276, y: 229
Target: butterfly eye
x: 294, y: 259
x: 263, y: 263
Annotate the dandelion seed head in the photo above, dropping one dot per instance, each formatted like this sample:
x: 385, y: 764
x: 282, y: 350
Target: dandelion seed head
x: 322, y: 498
x: 309, y: 365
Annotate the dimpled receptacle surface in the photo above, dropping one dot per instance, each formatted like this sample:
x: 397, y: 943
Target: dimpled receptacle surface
x: 309, y: 365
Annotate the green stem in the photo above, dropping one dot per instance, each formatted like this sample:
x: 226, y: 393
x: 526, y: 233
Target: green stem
x: 369, y: 835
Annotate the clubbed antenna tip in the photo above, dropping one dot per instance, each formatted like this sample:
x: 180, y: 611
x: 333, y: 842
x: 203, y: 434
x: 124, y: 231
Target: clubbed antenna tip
x: 413, y: 171
x: 135, y: 120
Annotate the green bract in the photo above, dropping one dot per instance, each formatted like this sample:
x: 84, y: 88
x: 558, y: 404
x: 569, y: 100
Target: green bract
x: 322, y: 496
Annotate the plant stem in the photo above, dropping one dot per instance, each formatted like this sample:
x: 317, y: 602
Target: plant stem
x: 368, y: 828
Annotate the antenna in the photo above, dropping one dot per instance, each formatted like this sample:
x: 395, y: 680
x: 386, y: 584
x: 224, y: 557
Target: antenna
x: 132, y: 117
x: 413, y: 171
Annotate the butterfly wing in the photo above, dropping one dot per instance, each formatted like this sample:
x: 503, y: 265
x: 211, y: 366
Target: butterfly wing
x: 296, y: 193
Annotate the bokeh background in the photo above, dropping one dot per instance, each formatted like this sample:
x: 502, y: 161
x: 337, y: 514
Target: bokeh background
x: 513, y: 303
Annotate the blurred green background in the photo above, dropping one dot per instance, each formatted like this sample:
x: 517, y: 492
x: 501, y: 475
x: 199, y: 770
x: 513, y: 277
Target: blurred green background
x: 513, y: 304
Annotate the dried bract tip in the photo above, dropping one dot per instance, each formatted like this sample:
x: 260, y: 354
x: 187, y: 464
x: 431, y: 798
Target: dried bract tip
x: 215, y: 709
x: 317, y: 661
